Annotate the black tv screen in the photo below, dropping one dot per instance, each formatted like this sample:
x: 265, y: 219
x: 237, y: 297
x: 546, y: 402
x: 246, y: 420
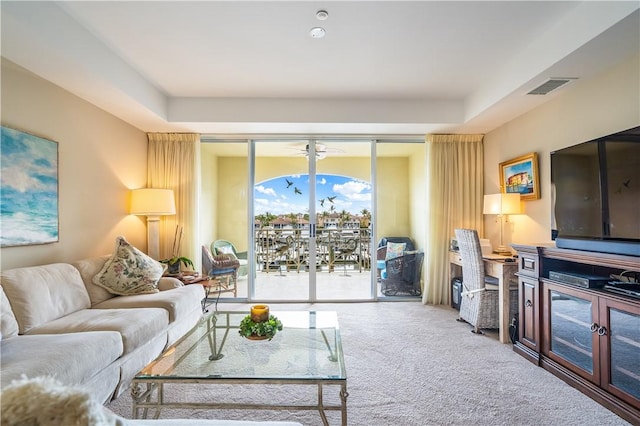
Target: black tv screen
x: 596, y: 188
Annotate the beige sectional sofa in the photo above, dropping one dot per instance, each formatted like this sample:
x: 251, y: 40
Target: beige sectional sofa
x: 57, y: 322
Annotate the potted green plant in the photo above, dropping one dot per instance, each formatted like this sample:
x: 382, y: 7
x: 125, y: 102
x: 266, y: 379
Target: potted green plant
x: 174, y: 263
x: 264, y: 330
x: 176, y: 260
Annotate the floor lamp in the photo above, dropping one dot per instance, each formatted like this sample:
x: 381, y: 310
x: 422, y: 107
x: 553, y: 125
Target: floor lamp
x: 502, y: 205
x: 153, y: 203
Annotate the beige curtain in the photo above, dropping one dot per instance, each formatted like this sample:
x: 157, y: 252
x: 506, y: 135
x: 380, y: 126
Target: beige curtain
x: 455, y: 194
x: 171, y: 164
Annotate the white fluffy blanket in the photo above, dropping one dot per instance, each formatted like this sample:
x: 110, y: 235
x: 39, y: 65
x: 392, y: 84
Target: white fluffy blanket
x: 43, y: 401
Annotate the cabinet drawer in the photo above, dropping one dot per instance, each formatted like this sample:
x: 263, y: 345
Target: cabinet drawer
x: 528, y: 265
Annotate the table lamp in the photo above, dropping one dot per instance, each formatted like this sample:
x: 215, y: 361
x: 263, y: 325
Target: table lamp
x: 153, y: 203
x: 502, y: 205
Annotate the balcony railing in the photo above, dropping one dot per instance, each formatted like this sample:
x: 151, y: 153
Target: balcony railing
x: 335, y: 247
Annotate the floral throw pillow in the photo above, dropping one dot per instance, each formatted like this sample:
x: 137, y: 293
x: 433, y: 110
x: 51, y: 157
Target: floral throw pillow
x: 129, y: 271
x: 395, y: 250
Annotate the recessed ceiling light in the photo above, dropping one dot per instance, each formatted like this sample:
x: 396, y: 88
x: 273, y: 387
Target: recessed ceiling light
x: 322, y: 15
x: 317, y: 32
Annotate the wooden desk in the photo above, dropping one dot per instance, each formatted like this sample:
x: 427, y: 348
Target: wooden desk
x: 505, y: 272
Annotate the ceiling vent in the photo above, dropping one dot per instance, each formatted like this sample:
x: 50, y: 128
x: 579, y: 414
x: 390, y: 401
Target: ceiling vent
x: 549, y: 85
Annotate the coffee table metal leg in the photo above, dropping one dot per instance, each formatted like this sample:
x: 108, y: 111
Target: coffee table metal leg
x: 343, y: 403
x: 321, y: 406
x: 141, y: 395
x: 332, y: 355
x: 216, y: 353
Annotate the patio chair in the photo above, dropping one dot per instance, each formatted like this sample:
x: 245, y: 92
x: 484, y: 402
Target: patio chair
x: 222, y: 270
x: 401, y: 276
x: 381, y: 252
x: 226, y: 247
x: 479, y: 306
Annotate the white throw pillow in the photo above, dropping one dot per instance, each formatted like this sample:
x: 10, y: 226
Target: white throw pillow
x: 129, y: 271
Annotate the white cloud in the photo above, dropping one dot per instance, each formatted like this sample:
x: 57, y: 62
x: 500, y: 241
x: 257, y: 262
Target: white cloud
x: 267, y: 191
x: 354, y: 190
x: 322, y: 181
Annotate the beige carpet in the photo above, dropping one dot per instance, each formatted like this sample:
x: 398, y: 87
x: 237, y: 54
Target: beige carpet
x: 411, y: 364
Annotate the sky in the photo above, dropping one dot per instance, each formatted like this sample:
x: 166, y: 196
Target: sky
x: 277, y: 196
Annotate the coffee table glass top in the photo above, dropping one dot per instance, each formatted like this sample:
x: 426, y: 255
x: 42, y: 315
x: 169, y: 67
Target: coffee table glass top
x: 307, y: 348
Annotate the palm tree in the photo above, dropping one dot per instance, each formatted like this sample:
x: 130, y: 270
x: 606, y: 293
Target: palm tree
x: 366, y: 218
x: 344, y: 216
x: 292, y: 218
x: 266, y: 218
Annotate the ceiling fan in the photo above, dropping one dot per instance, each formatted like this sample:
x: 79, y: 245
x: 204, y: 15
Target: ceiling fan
x: 321, y: 150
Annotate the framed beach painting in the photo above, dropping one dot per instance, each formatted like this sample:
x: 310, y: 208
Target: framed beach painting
x: 520, y: 175
x: 28, y: 189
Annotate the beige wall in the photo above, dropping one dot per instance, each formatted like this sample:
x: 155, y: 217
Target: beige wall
x: 208, y: 195
x: 606, y: 104
x: 100, y: 157
x: 232, y: 201
x: 394, y: 197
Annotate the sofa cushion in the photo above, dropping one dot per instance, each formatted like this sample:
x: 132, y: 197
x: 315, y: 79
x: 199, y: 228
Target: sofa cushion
x: 177, y: 302
x: 136, y: 326
x: 72, y: 358
x: 39, y: 294
x: 88, y: 269
x: 8, y: 323
x: 129, y: 271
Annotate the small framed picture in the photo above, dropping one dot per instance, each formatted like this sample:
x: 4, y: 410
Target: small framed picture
x: 520, y: 175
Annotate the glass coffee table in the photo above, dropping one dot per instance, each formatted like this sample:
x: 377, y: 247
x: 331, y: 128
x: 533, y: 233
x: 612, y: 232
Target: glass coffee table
x: 307, y: 351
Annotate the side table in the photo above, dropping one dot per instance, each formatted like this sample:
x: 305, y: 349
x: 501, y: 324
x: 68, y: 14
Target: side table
x: 218, y: 284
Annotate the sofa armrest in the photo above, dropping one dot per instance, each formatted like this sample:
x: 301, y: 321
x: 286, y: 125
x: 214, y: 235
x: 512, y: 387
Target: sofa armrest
x: 169, y: 283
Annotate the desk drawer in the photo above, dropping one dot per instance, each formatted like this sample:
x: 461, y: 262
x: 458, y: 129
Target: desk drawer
x: 492, y: 269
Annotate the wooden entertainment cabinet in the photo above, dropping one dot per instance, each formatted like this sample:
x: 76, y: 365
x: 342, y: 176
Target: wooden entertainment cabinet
x: 588, y: 337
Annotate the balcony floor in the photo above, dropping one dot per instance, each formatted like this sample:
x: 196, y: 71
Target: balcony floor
x: 348, y: 284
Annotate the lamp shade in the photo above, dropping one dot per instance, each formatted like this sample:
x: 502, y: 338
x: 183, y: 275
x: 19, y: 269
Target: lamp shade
x: 152, y: 202
x: 502, y: 204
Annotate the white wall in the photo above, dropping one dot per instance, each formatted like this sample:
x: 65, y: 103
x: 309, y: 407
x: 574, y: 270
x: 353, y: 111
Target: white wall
x: 100, y: 158
x: 597, y: 107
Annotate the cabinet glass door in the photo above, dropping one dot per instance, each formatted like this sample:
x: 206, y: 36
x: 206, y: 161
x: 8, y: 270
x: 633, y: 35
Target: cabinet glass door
x: 571, y: 337
x: 624, y: 351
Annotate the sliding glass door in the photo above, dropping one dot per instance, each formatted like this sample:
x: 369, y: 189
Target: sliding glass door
x: 312, y: 216
x: 343, y: 206
x: 307, y: 215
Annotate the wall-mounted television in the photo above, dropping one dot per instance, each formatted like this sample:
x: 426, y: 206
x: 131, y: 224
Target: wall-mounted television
x: 596, y: 194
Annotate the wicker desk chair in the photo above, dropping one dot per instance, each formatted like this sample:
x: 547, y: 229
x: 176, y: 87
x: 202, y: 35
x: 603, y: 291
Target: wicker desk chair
x: 479, y: 306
